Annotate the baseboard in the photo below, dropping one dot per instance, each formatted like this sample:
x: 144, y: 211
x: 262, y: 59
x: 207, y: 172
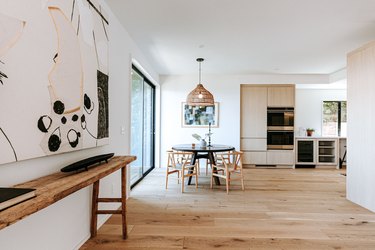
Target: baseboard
x: 326, y: 166
x: 100, y: 224
x: 268, y: 166
x: 275, y: 166
x: 80, y: 244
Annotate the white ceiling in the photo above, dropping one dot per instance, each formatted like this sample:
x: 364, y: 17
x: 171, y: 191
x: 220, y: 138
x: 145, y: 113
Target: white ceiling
x: 247, y: 36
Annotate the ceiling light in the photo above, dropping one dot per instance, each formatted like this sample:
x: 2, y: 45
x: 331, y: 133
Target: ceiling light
x: 200, y: 96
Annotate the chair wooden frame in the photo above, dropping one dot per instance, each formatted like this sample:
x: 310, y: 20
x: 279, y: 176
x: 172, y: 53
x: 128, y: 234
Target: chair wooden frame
x: 227, y: 165
x: 208, y: 163
x: 180, y: 163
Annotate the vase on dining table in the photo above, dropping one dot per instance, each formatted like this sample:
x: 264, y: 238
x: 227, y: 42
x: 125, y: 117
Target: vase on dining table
x: 203, y: 143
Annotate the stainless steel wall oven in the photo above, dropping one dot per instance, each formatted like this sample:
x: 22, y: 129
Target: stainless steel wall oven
x: 280, y: 128
x: 282, y: 139
x: 280, y: 118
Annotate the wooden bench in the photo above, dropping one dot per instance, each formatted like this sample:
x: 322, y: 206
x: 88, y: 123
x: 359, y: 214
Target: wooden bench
x: 54, y: 187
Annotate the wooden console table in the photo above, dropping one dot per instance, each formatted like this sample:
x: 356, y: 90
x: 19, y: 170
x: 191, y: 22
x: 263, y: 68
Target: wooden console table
x: 54, y: 187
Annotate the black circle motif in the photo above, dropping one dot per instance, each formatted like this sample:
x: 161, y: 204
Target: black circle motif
x: 63, y: 120
x: 75, y: 118
x: 73, y: 138
x: 44, y: 123
x: 83, y: 122
x: 58, y: 107
x: 54, y: 143
x: 87, y: 102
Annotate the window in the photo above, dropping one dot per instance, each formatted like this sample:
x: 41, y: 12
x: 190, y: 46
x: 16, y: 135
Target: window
x: 334, y: 118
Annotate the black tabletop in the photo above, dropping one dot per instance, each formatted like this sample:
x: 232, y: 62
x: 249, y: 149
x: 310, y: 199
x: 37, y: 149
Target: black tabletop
x: 197, y: 148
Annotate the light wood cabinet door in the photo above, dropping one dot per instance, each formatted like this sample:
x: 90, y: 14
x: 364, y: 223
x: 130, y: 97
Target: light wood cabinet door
x: 280, y: 157
x: 281, y: 96
x: 254, y: 144
x: 253, y: 112
x: 256, y: 158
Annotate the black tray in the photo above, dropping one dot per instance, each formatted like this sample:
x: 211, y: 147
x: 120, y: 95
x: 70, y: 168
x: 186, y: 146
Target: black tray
x: 85, y: 163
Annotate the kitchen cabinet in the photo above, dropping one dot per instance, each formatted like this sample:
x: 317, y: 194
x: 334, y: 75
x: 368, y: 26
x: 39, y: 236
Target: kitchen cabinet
x: 283, y: 96
x: 270, y: 157
x: 253, y: 112
x: 254, y: 124
x: 280, y: 157
x: 254, y: 144
x: 317, y: 151
x: 327, y: 152
x: 255, y: 99
x: 305, y: 151
x: 255, y: 158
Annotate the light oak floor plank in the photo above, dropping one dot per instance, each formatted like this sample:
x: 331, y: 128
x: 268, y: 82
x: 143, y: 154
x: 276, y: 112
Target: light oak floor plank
x: 279, y: 209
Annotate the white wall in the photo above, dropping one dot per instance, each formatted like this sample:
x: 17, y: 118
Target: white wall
x: 226, y: 91
x: 309, y: 104
x: 361, y: 123
x: 65, y: 225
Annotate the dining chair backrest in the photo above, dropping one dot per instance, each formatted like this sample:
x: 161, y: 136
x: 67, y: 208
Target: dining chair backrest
x: 228, y: 165
x: 237, y: 159
x: 178, y: 158
x: 233, y: 158
x: 181, y: 163
x: 219, y: 157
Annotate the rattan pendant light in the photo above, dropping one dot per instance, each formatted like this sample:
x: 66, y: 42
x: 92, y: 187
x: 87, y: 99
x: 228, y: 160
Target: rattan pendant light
x: 200, y: 96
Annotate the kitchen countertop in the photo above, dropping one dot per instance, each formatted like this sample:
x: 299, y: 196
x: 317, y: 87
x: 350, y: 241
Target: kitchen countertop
x: 319, y: 137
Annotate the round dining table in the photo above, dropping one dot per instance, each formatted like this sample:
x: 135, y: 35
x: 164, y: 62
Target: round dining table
x: 203, y: 153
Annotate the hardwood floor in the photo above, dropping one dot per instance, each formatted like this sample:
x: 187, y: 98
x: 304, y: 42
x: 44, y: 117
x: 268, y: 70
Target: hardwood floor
x: 279, y: 209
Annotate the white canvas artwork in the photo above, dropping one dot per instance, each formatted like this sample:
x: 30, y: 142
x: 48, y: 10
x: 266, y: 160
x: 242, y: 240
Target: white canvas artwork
x: 53, y: 77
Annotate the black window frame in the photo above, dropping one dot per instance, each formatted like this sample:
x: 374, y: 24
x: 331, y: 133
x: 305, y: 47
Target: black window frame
x: 147, y: 81
x: 339, y: 115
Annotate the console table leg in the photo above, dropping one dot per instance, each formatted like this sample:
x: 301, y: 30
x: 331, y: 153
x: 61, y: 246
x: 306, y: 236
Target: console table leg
x: 123, y: 203
x: 96, y: 200
x: 94, y: 209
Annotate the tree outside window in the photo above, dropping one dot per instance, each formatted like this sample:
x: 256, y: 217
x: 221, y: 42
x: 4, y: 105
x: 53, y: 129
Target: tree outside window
x: 334, y: 118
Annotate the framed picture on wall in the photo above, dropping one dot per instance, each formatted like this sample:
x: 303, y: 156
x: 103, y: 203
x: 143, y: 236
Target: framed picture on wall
x: 200, y: 116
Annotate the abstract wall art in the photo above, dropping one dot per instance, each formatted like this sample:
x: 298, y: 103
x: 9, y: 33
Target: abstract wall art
x: 54, y: 77
x: 200, y: 116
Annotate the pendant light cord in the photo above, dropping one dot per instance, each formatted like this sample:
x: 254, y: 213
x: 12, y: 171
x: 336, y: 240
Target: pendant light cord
x: 200, y: 60
x: 200, y: 72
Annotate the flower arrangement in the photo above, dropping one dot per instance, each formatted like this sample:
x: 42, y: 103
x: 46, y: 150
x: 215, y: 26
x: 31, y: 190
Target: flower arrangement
x: 199, y: 138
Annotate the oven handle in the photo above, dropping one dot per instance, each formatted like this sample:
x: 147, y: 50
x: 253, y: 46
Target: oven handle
x: 280, y: 128
x: 280, y: 147
x: 280, y: 111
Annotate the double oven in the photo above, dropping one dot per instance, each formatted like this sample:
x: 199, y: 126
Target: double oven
x: 280, y: 128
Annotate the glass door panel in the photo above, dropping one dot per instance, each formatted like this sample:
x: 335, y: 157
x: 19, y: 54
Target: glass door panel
x: 136, y: 171
x: 305, y: 151
x: 148, y: 130
x: 142, y: 126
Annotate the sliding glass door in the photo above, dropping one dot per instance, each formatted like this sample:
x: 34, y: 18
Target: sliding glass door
x: 142, y: 126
